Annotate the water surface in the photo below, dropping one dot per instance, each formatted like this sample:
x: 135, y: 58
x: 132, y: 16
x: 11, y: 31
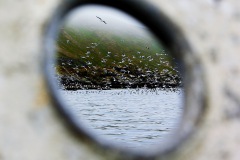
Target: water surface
x: 135, y: 118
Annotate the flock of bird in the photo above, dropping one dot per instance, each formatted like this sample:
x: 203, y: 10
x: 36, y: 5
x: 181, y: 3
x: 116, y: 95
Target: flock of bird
x: 119, y: 74
x: 117, y: 70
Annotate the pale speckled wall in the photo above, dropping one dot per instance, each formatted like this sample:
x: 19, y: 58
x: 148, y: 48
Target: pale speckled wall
x: 212, y: 28
x: 30, y: 128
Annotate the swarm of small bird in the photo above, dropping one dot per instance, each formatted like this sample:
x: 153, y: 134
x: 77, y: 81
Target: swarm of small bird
x: 85, y: 64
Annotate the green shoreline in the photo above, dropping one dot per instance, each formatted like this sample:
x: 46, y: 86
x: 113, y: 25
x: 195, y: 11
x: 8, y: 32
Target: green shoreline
x: 87, y: 57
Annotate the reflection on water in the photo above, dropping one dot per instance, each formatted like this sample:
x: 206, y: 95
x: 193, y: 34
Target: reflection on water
x: 132, y: 117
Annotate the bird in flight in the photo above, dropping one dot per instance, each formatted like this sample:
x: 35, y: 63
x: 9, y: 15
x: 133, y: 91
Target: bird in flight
x: 101, y: 20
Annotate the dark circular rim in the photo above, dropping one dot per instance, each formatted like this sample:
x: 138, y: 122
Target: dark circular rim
x: 161, y: 26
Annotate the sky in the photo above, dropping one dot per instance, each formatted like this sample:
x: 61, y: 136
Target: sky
x: 117, y: 21
x: 113, y: 17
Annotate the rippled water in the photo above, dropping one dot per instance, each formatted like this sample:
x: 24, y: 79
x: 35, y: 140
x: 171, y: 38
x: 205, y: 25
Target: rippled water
x: 134, y: 118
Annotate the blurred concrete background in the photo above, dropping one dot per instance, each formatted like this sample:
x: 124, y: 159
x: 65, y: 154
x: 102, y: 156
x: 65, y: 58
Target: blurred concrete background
x: 30, y: 128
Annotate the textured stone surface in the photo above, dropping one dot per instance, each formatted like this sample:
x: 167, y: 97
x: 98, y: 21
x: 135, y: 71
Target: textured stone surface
x: 30, y: 128
x: 212, y: 28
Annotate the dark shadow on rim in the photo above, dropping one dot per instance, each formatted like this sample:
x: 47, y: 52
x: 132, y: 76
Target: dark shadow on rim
x: 166, y: 32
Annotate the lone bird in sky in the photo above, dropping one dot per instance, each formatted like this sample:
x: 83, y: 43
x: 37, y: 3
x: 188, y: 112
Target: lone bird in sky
x: 101, y: 20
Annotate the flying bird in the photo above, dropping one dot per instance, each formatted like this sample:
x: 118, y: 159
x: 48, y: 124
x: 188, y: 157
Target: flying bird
x: 101, y: 20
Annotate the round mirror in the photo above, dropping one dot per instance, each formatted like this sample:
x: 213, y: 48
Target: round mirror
x: 116, y: 79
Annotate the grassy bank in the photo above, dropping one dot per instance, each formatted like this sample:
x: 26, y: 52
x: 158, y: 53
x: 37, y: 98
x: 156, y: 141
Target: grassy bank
x: 98, y: 58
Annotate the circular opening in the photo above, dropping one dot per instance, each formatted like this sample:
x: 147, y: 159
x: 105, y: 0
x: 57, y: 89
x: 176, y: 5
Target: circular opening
x: 111, y: 63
